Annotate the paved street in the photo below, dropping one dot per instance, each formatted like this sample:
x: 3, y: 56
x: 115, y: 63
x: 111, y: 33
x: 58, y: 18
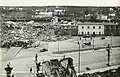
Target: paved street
x: 72, y: 44
x: 25, y: 58
x: 90, y: 59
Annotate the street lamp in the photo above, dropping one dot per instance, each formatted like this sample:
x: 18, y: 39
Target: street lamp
x: 36, y: 56
x: 42, y: 66
x: 58, y: 45
x: 108, y: 50
x: 38, y: 64
x: 111, y: 40
x: 93, y: 42
x: 79, y: 57
x: 48, y: 45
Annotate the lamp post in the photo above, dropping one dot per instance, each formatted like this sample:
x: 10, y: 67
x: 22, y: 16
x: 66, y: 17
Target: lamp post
x: 108, y: 50
x: 58, y: 45
x: 37, y: 63
x: 48, y: 45
x: 93, y: 43
x: 36, y: 56
x: 58, y: 41
x: 111, y: 40
x: 79, y: 57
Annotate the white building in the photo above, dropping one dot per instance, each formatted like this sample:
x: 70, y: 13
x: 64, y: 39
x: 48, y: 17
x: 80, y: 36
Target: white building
x: 59, y: 12
x: 90, y: 28
x: 43, y: 14
x: 102, y: 17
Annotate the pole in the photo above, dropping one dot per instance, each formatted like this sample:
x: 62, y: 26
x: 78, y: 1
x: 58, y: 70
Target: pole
x: 58, y: 45
x: 48, y: 46
x: 42, y: 66
x: 108, y: 50
x: 70, y: 31
x: 111, y: 40
x: 79, y: 58
x: 93, y: 43
x: 36, y: 56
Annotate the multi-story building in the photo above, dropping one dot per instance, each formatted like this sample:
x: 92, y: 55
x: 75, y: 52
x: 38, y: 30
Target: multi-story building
x: 58, y: 12
x: 70, y: 29
x: 40, y: 14
x: 90, y: 29
x: 113, y: 28
x: 98, y: 29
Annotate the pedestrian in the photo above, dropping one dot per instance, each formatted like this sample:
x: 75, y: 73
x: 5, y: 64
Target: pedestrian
x: 80, y: 38
x: 38, y: 65
x: 12, y: 75
x: 36, y: 56
x: 91, y: 38
x: 30, y: 70
x: 64, y: 57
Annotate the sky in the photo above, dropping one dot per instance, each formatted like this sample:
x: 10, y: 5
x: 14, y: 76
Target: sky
x: 60, y: 2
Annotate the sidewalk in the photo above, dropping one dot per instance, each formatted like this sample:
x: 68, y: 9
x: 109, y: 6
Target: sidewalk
x: 100, y: 70
x: 71, y: 45
x: 24, y: 74
x: 11, y: 53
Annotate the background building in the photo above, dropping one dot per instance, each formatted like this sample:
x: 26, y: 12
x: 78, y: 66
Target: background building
x: 90, y: 28
x: 43, y: 14
x: 98, y: 29
x: 112, y: 28
x: 70, y: 29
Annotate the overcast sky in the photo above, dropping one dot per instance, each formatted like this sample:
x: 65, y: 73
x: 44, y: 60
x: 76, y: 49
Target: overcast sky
x: 60, y: 2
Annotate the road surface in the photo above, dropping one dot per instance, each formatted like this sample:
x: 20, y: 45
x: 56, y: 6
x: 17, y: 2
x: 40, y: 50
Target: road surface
x: 94, y: 60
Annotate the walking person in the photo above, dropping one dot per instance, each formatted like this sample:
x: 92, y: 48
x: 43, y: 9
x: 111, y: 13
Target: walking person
x: 13, y: 75
x: 30, y: 70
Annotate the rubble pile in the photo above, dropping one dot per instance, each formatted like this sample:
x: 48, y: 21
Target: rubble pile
x: 108, y: 73
x: 35, y: 31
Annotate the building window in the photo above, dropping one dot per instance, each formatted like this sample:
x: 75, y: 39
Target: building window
x: 72, y: 27
x: 93, y: 27
x: 99, y: 33
x: 99, y: 27
x: 68, y: 27
x: 93, y: 33
x: 88, y: 27
x: 82, y: 27
x: 87, y: 32
x: 82, y: 33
